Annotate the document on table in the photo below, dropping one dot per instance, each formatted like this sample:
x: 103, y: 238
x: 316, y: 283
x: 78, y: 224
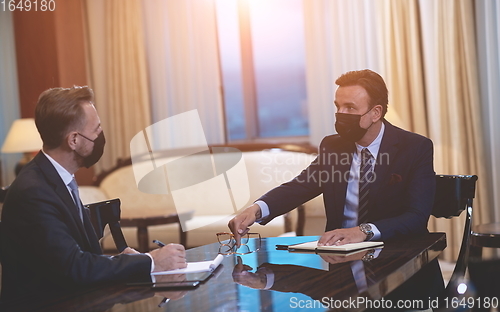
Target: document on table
x: 195, y: 267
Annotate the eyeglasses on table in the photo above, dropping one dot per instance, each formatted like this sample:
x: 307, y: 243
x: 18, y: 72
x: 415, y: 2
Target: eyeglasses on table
x: 249, y: 243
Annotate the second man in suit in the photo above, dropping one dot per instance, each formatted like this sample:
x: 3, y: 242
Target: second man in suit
x: 48, y: 242
x: 377, y: 180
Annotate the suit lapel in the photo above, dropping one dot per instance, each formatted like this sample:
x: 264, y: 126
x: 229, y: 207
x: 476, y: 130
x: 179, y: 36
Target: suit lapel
x: 387, y: 154
x: 342, y: 164
x: 61, y: 190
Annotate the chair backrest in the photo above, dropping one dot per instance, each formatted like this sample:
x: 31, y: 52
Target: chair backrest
x: 453, y: 194
x: 108, y: 212
x: 3, y: 193
x: 0, y: 242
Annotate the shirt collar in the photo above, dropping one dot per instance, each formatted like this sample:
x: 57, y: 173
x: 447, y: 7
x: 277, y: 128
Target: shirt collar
x: 375, y: 145
x: 63, y: 173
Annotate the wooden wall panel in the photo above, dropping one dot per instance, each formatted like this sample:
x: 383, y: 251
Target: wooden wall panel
x: 51, y: 52
x: 36, y: 54
x: 71, y: 44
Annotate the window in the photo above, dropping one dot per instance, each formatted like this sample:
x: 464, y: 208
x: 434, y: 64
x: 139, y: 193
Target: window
x: 262, y: 55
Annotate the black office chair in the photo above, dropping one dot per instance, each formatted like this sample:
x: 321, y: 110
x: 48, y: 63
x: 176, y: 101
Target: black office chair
x: 485, y: 277
x: 108, y: 212
x: 454, y: 194
x: 0, y: 242
x: 3, y: 193
x: 484, y: 235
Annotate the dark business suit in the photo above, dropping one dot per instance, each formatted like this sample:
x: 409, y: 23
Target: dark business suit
x: 45, y: 246
x: 400, y: 198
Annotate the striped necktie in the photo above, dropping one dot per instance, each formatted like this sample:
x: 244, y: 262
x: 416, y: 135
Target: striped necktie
x: 76, y: 197
x: 366, y: 177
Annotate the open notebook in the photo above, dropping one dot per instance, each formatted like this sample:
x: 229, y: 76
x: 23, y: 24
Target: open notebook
x: 195, y: 273
x: 313, y: 246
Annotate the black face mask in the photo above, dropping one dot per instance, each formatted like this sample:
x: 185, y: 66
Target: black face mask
x: 96, y: 154
x: 347, y: 126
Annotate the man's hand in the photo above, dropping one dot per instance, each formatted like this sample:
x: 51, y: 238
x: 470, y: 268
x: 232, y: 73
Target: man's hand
x: 171, y: 278
x: 342, y: 236
x: 169, y: 257
x: 334, y: 259
x: 128, y: 251
x: 239, y: 224
x: 241, y: 275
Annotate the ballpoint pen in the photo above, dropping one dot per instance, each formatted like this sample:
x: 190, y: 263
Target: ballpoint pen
x: 163, y: 302
x: 157, y: 242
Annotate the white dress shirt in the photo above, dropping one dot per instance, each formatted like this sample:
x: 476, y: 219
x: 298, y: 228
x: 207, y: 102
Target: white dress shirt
x: 63, y: 173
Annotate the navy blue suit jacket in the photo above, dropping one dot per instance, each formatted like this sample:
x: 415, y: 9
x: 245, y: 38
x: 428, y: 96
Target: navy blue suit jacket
x: 400, y: 198
x: 46, y: 247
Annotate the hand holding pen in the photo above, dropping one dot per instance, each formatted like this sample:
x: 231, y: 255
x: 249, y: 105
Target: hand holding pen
x: 182, y: 257
x: 168, y: 257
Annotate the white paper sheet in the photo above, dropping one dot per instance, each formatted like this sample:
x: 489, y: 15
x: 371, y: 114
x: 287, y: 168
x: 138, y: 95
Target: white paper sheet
x: 195, y: 267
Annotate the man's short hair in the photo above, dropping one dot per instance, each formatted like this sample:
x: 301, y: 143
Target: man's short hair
x: 372, y: 82
x: 59, y: 111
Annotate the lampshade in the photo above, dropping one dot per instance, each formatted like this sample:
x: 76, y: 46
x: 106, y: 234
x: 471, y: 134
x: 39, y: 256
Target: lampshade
x: 22, y: 137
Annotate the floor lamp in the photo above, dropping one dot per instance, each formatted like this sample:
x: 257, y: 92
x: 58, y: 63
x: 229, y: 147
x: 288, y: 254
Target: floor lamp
x: 23, y: 137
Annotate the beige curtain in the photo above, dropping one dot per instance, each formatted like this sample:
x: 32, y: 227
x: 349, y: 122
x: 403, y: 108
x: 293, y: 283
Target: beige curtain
x: 425, y: 50
x: 431, y: 69
x: 118, y: 72
x: 487, y: 30
x: 319, y: 75
x: 453, y: 103
x: 340, y: 35
x: 183, y: 63
x: 402, y: 58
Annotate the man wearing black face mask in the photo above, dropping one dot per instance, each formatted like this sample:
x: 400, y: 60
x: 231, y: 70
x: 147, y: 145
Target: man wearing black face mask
x: 377, y: 180
x: 97, y: 151
x: 48, y: 243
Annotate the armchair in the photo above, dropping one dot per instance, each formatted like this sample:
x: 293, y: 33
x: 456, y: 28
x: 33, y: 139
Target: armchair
x: 454, y: 194
x: 155, y: 216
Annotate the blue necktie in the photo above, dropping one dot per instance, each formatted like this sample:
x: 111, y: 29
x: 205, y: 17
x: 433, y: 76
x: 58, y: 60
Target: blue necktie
x: 365, y: 178
x: 76, y: 197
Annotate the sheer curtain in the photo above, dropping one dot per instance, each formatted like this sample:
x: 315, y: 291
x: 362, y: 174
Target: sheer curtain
x: 454, y: 116
x: 183, y: 62
x: 340, y: 36
x: 118, y: 72
x: 402, y: 59
x: 150, y: 60
x: 488, y: 38
x: 9, y: 94
x: 425, y: 50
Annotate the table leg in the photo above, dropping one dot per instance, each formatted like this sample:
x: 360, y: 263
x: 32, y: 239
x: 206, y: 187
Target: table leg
x: 143, y: 238
x: 183, y: 236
